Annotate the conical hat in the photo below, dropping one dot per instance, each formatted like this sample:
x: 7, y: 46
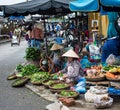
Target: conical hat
x: 56, y: 47
x: 70, y: 53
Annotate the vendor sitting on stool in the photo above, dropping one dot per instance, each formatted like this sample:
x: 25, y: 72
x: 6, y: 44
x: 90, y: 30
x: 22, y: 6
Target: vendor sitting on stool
x: 73, y: 71
x: 56, y: 57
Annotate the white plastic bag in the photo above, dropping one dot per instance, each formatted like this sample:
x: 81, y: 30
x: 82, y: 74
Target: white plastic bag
x: 111, y: 59
x: 103, y: 102
x: 94, y: 50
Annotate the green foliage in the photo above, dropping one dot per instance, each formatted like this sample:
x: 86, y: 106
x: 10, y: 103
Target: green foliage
x: 29, y: 70
x: 19, y: 67
x: 32, y: 54
x: 67, y: 93
x: 40, y: 76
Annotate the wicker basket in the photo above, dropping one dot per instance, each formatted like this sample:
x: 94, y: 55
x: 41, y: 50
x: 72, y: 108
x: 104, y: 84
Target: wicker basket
x: 20, y: 82
x: 72, y: 96
x: 11, y: 77
x: 45, y: 83
x: 60, y: 88
x: 95, y: 79
x: 113, y: 80
x: 36, y: 83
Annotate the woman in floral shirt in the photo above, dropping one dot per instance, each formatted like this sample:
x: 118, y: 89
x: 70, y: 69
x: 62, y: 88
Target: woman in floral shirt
x: 73, y: 71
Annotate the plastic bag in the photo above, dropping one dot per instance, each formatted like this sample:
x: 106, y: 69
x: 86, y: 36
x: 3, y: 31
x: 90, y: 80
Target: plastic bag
x: 94, y: 50
x: 90, y: 97
x: 80, y: 86
x: 85, y: 62
x: 111, y: 59
x: 103, y: 102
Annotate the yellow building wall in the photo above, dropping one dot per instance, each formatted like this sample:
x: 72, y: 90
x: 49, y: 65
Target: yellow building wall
x: 102, y: 22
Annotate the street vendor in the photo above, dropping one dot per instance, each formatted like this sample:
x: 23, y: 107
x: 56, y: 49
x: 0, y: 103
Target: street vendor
x: 56, y: 56
x: 72, y: 71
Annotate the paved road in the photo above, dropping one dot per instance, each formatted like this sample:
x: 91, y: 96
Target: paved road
x: 15, y: 98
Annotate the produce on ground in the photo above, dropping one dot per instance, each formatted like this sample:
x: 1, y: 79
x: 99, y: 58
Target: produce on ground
x: 59, y: 86
x: 68, y: 93
x: 32, y: 53
x: 39, y: 77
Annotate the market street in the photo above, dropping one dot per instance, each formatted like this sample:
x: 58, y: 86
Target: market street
x: 15, y: 98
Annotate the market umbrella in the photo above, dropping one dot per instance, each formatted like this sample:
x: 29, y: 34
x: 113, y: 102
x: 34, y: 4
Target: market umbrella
x: 43, y: 7
x: 111, y: 6
x: 94, y: 5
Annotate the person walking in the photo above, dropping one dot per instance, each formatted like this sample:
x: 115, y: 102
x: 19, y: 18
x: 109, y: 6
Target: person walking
x: 17, y: 32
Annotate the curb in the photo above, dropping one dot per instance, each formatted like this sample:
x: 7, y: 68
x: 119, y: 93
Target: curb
x: 4, y: 41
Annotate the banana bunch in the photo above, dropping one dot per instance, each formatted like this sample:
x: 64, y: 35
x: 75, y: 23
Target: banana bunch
x: 114, y: 70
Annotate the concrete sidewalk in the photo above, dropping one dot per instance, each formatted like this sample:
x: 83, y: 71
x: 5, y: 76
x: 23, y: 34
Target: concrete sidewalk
x: 81, y: 104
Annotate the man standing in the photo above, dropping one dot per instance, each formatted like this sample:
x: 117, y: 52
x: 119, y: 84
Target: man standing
x: 37, y: 35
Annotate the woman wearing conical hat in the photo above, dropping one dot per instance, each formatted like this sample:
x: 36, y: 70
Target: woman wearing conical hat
x: 56, y: 56
x: 72, y: 71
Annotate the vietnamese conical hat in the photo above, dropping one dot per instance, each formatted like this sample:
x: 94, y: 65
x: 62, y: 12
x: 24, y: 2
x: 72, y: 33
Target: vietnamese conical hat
x: 70, y: 53
x: 56, y: 47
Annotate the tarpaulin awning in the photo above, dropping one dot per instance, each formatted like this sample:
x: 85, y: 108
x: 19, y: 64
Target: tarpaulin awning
x: 16, y: 17
x: 94, y: 5
x: 84, y: 5
x: 111, y: 6
x: 43, y: 7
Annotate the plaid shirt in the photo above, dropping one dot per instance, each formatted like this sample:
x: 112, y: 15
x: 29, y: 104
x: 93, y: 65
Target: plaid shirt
x: 76, y: 71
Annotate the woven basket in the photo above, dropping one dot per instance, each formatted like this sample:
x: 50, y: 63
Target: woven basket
x: 52, y: 82
x: 36, y: 83
x: 11, y: 77
x: 20, y: 82
x: 114, y: 80
x: 95, y: 79
x: 73, y: 96
x: 66, y: 87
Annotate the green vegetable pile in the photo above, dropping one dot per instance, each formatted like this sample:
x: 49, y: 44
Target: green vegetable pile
x: 28, y: 70
x: 39, y: 77
x: 59, y: 86
x: 32, y: 54
x: 50, y: 82
x: 19, y: 82
x: 68, y: 93
x: 19, y: 67
x: 107, y: 68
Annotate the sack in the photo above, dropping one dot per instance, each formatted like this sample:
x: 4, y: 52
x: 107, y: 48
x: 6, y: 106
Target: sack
x: 117, y: 23
x: 103, y: 102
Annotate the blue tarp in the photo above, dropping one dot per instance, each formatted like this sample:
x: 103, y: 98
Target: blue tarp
x: 97, y: 5
x: 93, y: 5
x: 110, y: 3
x: 111, y: 27
x: 84, y: 5
x: 16, y: 17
